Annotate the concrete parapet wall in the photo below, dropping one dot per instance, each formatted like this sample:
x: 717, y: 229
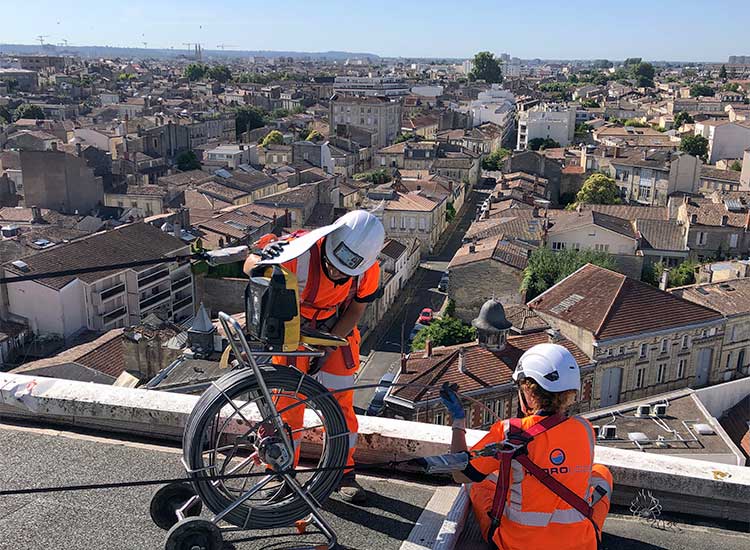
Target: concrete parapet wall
x: 682, y: 485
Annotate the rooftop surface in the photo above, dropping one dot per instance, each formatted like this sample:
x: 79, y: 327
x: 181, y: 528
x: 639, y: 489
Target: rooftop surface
x: 118, y: 519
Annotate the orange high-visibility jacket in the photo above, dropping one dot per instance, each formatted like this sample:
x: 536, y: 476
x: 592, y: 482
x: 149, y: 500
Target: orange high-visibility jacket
x: 534, y: 516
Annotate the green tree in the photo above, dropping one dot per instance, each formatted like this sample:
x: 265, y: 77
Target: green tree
x: 220, y: 73
x: 635, y: 123
x: 695, y: 145
x: 279, y: 113
x: 632, y: 61
x: 274, y: 137
x: 444, y: 331
x: 723, y: 71
x: 401, y: 137
x: 450, y: 212
x: 314, y: 135
x: 644, y: 74
x: 698, y: 90
x: 5, y: 115
x: 545, y: 267
x: 683, y: 274
x: 731, y: 87
x: 736, y: 166
x: 683, y: 117
x: 597, y: 189
x: 602, y: 64
x: 589, y: 104
x: 187, y: 161
x: 573, y: 78
x: 28, y: 111
x: 538, y: 144
x: 249, y: 118
x: 486, y: 67
x: 195, y: 71
x: 494, y: 161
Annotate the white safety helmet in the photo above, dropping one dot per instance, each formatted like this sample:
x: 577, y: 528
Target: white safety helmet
x: 354, y: 245
x: 551, y: 366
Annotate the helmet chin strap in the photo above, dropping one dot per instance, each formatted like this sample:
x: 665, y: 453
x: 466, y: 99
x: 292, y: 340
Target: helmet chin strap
x: 523, y: 405
x: 324, y: 265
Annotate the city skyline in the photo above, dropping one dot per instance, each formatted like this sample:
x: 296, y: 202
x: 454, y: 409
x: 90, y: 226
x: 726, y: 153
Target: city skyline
x: 255, y: 26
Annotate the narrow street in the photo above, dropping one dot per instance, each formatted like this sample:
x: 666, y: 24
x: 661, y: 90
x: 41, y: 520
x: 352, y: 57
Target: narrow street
x: 421, y: 291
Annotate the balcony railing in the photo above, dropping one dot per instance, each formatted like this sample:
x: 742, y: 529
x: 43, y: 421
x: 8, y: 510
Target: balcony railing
x: 155, y: 299
x: 182, y: 303
x: 148, y: 279
x: 112, y: 292
x: 181, y: 283
x: 113, y: 315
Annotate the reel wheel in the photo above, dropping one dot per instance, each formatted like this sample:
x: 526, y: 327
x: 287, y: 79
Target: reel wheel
x: 194, y: 534
x: 170, y: 498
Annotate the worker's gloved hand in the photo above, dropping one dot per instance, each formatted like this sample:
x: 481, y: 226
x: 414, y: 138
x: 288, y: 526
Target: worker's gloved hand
x: 451, y: 401
x: 273, y: 250
x: 316, y: 363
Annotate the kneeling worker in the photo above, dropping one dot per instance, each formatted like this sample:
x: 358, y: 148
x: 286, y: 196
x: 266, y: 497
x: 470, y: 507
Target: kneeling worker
x: 338, y: 275
x: 542, y: 489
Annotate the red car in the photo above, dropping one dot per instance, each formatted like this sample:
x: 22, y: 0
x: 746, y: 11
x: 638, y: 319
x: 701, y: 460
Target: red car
x: 426, y: 316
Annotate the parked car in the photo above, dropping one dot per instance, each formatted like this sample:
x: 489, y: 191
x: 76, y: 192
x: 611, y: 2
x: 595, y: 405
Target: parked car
x: 443, y: 284
x: 426, y: 316
x: 376, y: 403
x: 413, y: 334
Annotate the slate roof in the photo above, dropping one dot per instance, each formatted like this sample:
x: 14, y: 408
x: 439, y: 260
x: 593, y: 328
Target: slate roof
x: 138, y: 241
x: 724, y: 175
x: 393, y: 249
x: 632, y: 212
x: 728, y: 297
x: 482, y: 368
x: 662, y: 235
x: 563, y: 220
x: 611, y: 305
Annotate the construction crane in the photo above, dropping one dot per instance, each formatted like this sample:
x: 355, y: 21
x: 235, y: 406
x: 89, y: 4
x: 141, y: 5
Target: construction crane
x: 225, y: 46
x: 41, y: 38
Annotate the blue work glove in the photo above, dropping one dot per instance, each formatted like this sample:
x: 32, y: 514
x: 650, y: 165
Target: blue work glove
x: 273, y: 250
x: 450, y: 399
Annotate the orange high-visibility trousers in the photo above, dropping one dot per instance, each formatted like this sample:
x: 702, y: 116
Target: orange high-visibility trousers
x: 335, y: 375
x: 482, y: 495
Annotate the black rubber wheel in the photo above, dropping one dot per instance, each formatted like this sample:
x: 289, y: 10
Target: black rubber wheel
x: 170, y: 498
x: 194, y: 534
x: 201, y: 436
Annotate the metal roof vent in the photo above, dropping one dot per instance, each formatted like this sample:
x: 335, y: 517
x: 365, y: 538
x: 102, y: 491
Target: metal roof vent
x: 660, y: 410
x: 643, y: 411
x: 20, y: 264
x: 608, y: 431
x: 704, y: 429
x: 638, y: 437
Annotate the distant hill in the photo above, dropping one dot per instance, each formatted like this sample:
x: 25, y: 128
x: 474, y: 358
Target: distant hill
x: 111, y: 52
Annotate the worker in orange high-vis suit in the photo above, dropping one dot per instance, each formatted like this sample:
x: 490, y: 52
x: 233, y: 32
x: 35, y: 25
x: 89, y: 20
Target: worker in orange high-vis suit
x: 531, y: 514
x: 338, y: 275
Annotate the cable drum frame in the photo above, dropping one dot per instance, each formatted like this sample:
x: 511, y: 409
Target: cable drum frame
x: 208, y: 425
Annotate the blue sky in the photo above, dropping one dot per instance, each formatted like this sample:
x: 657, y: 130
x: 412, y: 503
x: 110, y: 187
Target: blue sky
x: 655, y: 29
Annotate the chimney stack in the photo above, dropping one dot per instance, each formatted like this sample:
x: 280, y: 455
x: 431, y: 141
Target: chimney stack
x: 462, y: 360
x: 404, y: 364
x: 428, y: 348
x: 78, y: 149
x: 472, y: 248
x: 36, y: 215
x: 664, y: 280
x: 53, y: 146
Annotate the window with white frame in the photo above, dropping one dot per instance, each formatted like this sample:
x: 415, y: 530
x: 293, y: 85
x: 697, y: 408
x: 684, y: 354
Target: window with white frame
x: 601, y: 247
x: 664, y: 345
x: 733, y: 239
x: 643, y: 350
x: 684, y: 341
x: 640, y: 377
x: 393, y: 222
x: 729, y: 360
x: 438, y: 417
x: 681, y: 364
x: 422, y: 223
x: 557, y: 245
x: 700, y: 238
x: 661, y: 372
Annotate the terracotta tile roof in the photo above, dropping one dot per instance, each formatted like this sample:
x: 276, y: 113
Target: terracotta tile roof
x: 707, y: 212
x: 393, y: 249
x: 411, y: 202
x: 137, y: 241
x: 564, y: 220
x: 611, y: 305
x: 633, y: 212
x: 736, y: 422
x: 482, y: 368
x: 662, y: 235
x: 105, y: 354
x: 523, y: 319
x: 728, y: 297
x: 724, y: 175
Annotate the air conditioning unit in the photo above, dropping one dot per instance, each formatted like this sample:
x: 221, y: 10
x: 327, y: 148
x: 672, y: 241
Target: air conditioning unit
x: 643, y: 411
x: 704, y: 429
x: 638, y: 437
x: 608, y: 431
x: 597, y: 429
x: 660, y: 410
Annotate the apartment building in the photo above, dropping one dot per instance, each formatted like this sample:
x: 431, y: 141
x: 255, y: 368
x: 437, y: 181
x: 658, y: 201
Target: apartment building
x: 381, y: 115
x: 726, y: 140
x: 497, y: 106
x: 372, y: 86
x: 546, y: 121
x: 102, y: 300
x: 644, y: 341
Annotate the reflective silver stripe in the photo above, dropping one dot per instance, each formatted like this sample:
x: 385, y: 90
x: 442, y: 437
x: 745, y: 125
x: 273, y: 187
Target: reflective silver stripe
x: 590, y: 433
x: 492, y: 477
x: 542, y: 519
x: 303, y: 267
x: 352, y: 440
x: 516, y: 477
x: 335, y: 381
x: 596, y: 496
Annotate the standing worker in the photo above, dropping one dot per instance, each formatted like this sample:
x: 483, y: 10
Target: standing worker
x: 338, y: 275
x: 542, y: 489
